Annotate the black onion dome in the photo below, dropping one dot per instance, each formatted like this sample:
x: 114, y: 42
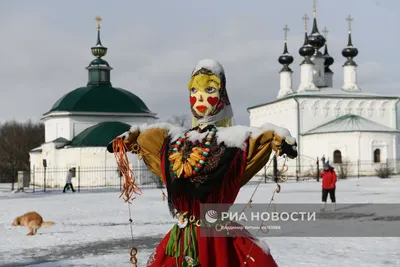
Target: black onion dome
x: 328, y: 59
x: 285, y: 58
x: 316, y: 39
x: 350, y: 52
x: 306, y: 50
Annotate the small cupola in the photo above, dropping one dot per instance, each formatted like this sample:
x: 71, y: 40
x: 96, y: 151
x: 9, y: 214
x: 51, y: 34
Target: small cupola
x: 99, y: 69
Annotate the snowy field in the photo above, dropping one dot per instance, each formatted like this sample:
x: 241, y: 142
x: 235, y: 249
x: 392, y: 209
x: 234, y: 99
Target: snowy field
x: 92, y: 228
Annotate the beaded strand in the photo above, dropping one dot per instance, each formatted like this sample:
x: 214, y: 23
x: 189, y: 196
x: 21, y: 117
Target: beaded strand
x: 198, y: 164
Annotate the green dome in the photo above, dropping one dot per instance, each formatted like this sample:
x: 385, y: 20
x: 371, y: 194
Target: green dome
x: 100, y: 98
x: 100, y: 134
x: 99, y: 61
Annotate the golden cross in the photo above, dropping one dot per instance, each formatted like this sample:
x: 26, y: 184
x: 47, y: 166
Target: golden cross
x: 98, y: 19
x: 305, y: 18
x: 315, y: 8
x: 349, y: 20
x: 286, y: 29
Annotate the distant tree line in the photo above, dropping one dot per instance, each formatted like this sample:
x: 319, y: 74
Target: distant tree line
x: 16, y: 140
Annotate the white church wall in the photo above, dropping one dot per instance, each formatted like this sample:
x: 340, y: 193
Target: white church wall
x: 282, y: 114
x: 47, y: 153
x: 357, y: 148
x: 386, y: 143
x: 35, y: 159
x: 319, y: 145
x: 95, y: 167
x: 318, y: 111
x: 57, y: 127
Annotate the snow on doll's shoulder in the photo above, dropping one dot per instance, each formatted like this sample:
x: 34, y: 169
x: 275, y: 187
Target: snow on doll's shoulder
x: 234, y: 136
x: 282, y: 132
x: 173, y: 131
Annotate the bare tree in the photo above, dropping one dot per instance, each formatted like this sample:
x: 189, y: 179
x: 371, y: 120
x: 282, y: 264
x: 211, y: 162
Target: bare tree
x: 384, y: 170
x: 344, y: 169
x: 183, y: 120
x: 16, y: 140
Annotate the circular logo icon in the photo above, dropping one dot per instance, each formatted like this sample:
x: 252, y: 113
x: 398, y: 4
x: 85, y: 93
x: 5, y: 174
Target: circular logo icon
x: 211, y: 216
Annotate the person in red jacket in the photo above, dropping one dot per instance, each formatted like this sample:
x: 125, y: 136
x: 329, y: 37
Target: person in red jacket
x: 329, y: 179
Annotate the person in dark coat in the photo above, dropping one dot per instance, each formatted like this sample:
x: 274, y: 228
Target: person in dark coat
x: 329, y: 178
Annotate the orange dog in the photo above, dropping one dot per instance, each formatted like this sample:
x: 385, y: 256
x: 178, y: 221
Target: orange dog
x: 32, y: 220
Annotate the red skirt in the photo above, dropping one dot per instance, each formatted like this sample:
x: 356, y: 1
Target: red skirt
x: 218, y: 252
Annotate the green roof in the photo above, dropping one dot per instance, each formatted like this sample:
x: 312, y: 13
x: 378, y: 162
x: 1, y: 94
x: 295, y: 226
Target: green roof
x: 101, y: 98
x: 351, y: 123
x: 99, y: 61
x: 100, y: 134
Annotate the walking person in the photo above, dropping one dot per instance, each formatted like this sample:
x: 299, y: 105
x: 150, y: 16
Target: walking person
x: 329, y: 178
x: 68, y: 181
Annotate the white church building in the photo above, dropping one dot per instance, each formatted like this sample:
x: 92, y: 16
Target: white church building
x: 338, y: 122
x: 80, y: 125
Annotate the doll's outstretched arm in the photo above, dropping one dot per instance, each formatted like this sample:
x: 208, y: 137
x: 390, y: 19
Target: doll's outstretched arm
x: 263, y: 141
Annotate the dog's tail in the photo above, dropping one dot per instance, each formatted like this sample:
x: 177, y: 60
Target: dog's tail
x: 49, y: 223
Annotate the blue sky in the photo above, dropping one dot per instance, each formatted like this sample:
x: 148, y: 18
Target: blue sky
x: 153, y: 46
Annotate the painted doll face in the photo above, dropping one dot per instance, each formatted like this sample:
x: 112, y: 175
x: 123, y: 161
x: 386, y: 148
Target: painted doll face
x: 204, y: 93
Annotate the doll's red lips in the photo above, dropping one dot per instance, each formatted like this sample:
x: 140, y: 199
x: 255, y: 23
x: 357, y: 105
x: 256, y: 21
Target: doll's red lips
x: 201, y: 108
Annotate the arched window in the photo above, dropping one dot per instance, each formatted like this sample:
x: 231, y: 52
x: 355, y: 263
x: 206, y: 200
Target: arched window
x: 377, y: 155
x: 337, y: 156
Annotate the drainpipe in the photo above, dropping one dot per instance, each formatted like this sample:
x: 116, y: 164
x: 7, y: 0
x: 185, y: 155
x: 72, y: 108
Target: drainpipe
x: 397, y: 127
x: 298, y: 135
x: 395, y: 115
x: 359, y: 145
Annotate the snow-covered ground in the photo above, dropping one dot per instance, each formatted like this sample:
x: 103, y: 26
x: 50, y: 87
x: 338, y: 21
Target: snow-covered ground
x: 92, y: 228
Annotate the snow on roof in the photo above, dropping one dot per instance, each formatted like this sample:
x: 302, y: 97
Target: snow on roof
x: 351, y: 123
x: 37, y: 149
x: 339, y: 92
x: 328, y: 92
x: 60, y: 140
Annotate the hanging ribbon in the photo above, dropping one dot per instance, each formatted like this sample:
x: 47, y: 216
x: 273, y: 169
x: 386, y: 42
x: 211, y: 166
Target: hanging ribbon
x: 129, y: 186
